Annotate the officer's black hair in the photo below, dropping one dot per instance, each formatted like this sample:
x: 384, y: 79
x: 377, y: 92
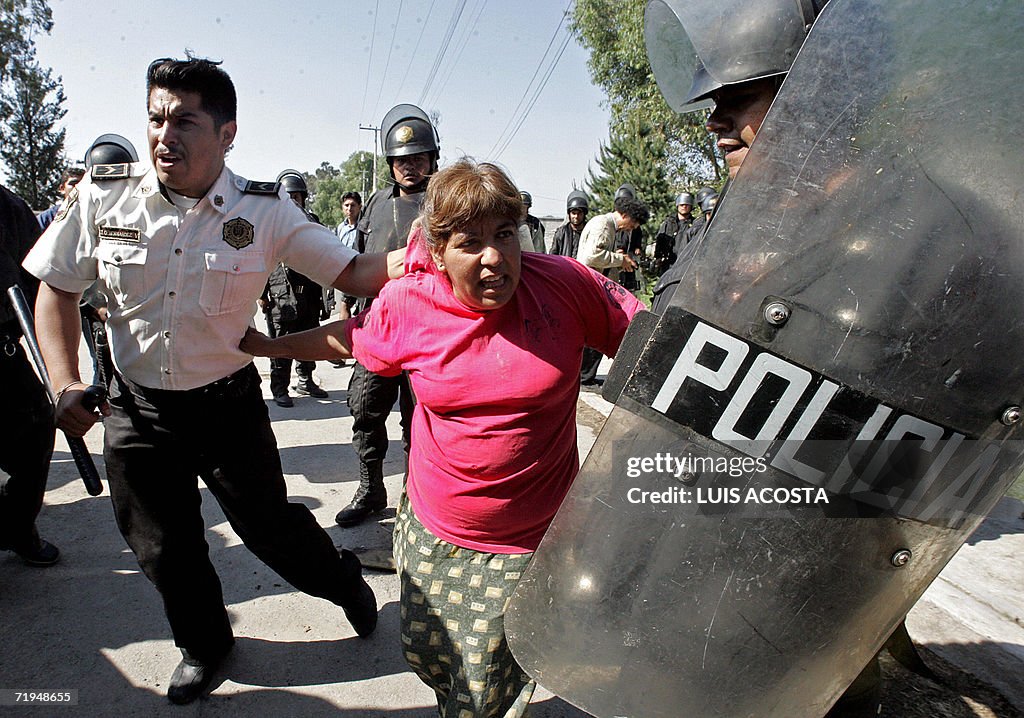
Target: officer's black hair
x: 77, y: 172
x: 633, y: 208
x: 194, y: 74
x: 352, y: 195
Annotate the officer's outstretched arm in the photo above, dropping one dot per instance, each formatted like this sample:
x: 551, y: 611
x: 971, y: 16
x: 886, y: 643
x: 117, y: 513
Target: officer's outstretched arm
x: 367, y: 273
x: 325, y: 342
x: 59, y: 331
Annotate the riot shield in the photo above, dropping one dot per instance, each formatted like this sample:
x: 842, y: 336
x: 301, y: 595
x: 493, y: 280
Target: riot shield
x: 831, y: 403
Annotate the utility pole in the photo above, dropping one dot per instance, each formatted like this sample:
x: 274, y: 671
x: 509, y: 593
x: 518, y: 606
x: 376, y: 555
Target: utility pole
x: 376, y: 134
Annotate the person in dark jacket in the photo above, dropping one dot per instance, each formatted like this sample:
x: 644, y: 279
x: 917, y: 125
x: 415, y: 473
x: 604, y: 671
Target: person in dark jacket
x: 26, y: 444
x: 292, y: 302
x: 412, y: 151
x: 672, y: 233
x: 566, y: 241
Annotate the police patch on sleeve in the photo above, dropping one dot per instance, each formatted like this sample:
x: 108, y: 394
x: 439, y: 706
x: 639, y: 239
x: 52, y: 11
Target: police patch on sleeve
x: 239, y: 232
x: 69, y: 202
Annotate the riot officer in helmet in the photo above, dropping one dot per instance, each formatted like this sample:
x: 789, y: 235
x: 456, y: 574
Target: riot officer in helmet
x: 740, y: 94
x: 110, y: 149
x: 566, y: 241
x: 533, y: 224
x: 672, y: 233
x: 107, y: 154
x: 293, y: 302
x: 411, y: 146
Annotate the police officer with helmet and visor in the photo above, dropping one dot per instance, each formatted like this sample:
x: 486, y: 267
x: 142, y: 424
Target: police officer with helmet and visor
x: 412, y: 149
x: 292, y: 302
x: 566, y: 241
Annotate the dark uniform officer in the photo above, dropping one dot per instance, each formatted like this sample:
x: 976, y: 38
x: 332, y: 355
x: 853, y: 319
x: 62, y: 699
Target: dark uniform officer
x: 26, y: 443
x: 412, y: 150
x: 672, y: 233
x: 665, y: 289
x: 566, y: 241
x: 183, y: 250
x: 292, y: 302
x: 534, y: 226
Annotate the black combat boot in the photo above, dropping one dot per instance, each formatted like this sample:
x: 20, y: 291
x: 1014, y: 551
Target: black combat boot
x: 371, y: 496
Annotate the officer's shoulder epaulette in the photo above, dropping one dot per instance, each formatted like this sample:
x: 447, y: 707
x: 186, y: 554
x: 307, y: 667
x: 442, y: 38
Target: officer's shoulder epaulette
x: 254, y: 187
x: 122, y: 170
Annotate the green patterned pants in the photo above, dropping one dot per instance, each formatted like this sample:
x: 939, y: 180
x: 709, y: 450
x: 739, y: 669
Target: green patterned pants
x: 453, y: 622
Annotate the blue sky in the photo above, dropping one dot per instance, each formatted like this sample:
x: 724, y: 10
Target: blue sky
x: 306, y: 81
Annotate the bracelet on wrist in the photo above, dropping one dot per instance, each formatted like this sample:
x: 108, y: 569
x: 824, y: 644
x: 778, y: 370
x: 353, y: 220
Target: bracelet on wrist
x: 59, y: 394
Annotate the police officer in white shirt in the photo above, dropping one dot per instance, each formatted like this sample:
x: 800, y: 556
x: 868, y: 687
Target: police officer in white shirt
x: 183, y: 249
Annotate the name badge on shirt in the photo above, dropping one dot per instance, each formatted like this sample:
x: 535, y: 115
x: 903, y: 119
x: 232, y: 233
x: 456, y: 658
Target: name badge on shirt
x: 119, y: 234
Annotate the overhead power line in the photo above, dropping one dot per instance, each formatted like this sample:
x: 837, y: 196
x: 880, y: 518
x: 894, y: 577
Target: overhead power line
x: 525, y: 106
x: 387, y: 62
x: 369, y: 60
x: 461, y: 43
x: 452, y: 24
x: 412, y: 60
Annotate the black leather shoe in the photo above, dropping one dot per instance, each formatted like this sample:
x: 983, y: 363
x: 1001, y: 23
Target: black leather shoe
x: 361, y: 609
x: 189, y: 680
x: 310, y: 388
x: 41, y: 554
x: 357, y: 511
x: 284, y: 400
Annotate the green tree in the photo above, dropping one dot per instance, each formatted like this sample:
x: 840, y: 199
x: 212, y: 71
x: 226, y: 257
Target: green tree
x: 635, y: 153
x: 612, y: 30
x: 31, y: 105
x: 327, y: 184
x: 19, y: 21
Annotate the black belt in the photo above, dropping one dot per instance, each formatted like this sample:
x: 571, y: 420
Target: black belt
x: 229, y: 387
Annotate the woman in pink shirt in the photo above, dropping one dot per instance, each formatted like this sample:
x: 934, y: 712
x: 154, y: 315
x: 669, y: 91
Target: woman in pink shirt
x: 492, y: 340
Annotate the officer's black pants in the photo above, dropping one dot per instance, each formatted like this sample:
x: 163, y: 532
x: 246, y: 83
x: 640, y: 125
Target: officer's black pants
x: 281, y: 368
x: 156, y: 443
x: 591, y: 361
x: 26, y: 445
x: 370, y: 398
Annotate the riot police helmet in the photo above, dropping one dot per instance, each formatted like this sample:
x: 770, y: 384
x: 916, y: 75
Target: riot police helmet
x: 625, y: 190
x: 527, y: 199
x: 708, y: 203
x: 293, y: 181
x: 407, y: 130
x: 110, y: 149
x: 685, y: 198
x: 703, y: 193
x: 577, y: 199
x: 698, y: 47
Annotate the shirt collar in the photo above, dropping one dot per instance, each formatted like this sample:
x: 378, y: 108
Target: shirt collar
x: 225, y: 191
x: 227, y: 188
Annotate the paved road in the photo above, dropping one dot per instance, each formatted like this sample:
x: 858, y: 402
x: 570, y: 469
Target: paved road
x: 94, y: 624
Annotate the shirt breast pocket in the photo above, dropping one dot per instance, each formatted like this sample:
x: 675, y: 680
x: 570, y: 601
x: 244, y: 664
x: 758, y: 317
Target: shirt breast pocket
x: 122, y: 268
x: 231, y: 281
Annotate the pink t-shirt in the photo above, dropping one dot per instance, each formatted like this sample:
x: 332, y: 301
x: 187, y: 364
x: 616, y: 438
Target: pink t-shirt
x: 494, y: 431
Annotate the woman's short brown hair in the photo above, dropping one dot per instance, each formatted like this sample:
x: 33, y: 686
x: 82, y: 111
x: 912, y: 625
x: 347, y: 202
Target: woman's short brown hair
x: 463, y: 193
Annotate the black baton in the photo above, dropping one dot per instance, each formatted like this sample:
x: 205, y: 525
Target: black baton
x: 93, y: 394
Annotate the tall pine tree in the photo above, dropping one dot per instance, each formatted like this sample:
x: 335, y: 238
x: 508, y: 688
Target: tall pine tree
x: 31, y: 105
x: 636, y: 153
x: 613, y: 32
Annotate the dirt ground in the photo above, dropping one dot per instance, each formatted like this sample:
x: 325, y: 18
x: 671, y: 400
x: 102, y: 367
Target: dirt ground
x: 907, y: 695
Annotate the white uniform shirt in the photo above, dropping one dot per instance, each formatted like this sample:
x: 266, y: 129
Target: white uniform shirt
x: 597, y: 242
x: 181, y: 285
